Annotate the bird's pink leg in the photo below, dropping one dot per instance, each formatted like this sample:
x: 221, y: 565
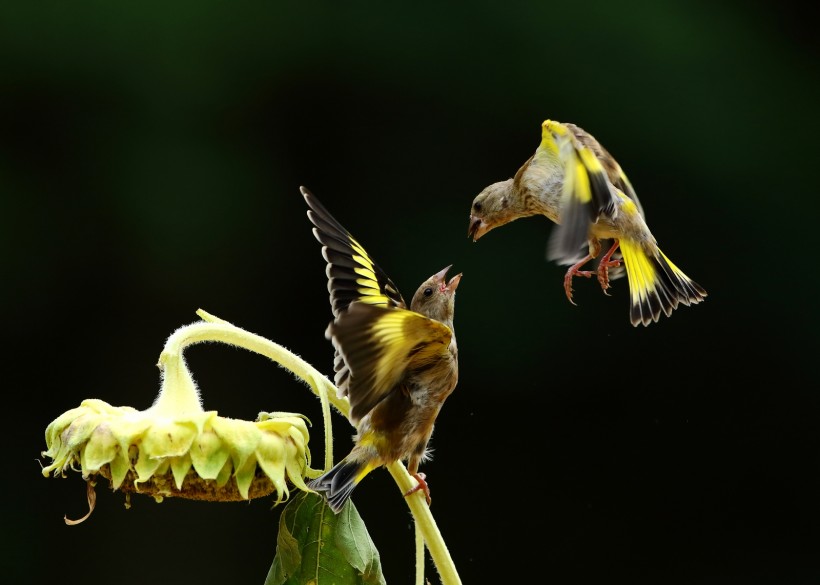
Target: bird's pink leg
x: 595, y: 248
x: 421, y: 485
x: 605, y: 264
x: 573, y: 271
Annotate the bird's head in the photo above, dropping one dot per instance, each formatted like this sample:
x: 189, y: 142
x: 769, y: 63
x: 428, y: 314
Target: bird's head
x: 435, y: 298
x: 493, y: 207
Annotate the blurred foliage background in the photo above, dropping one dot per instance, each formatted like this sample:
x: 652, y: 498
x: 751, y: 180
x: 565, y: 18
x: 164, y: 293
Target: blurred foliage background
x: 150, y: 159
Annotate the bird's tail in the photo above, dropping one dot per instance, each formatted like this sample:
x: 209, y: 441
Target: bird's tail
x: 656, y: 285
x: 337, y: 484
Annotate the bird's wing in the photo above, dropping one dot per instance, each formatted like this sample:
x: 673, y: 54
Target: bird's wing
x: 380, y: 346
x: 592, y: 179
x: 614, y: 173
x: 585, y: 195
x: 352, y: 274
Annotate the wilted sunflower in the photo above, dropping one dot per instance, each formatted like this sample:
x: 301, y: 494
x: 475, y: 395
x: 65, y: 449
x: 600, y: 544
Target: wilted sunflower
x: 176, y: 448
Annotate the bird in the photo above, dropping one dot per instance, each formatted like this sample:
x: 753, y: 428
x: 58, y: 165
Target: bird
x: 578, y: 185
x: 396, y: 363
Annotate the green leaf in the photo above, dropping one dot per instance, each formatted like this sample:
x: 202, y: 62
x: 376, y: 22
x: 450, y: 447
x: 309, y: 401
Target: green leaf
x: 317, y: 547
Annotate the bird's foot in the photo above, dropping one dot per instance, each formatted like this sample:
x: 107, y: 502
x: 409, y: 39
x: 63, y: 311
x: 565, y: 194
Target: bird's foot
x: 421, y: 485
x: 604, y: 265
x: 574, y: 270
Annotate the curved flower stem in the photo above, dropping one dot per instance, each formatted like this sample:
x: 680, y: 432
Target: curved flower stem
x: 178, y: 392
x: 427, y: 525
x: 215, y: 329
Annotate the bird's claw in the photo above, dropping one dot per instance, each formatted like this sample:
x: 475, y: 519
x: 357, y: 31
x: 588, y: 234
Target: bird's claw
x: 568, y: 286
x: 603, y: 274
x: 605, y: 264
x: 573, y: 271
x: 421, y: 485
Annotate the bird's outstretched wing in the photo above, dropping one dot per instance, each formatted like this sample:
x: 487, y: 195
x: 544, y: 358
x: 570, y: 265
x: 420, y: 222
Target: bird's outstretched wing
x: 352, y: 274
x: 380, y: 345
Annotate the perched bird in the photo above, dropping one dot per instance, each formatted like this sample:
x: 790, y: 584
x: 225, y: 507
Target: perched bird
x: 396, y: 365
x: 577, y: 184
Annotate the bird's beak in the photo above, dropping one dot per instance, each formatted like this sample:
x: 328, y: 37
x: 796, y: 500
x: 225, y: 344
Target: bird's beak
x: 477, y: 228
x: 441, y: 279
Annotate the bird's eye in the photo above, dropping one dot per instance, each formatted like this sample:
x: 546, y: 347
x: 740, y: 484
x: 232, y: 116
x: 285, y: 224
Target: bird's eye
x: 428, y: 291
x: 477, y: 206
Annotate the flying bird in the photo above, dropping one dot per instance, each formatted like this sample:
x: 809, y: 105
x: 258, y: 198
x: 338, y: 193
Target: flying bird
x: 573, y: 181
x: 397, y: 364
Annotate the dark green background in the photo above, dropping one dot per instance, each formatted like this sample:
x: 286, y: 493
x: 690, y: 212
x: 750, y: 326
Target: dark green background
x: 150, y: 159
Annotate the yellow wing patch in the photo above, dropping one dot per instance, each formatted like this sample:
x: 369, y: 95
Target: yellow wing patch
x: 576, y: 180
x: 589, y: 159
x: 406, y: 337
x: 548, y: 141
x: 579, y: 186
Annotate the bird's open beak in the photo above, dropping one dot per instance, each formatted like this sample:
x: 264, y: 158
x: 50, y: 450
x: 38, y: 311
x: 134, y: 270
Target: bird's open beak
x: 445, y: 286
x: 477, y: 228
